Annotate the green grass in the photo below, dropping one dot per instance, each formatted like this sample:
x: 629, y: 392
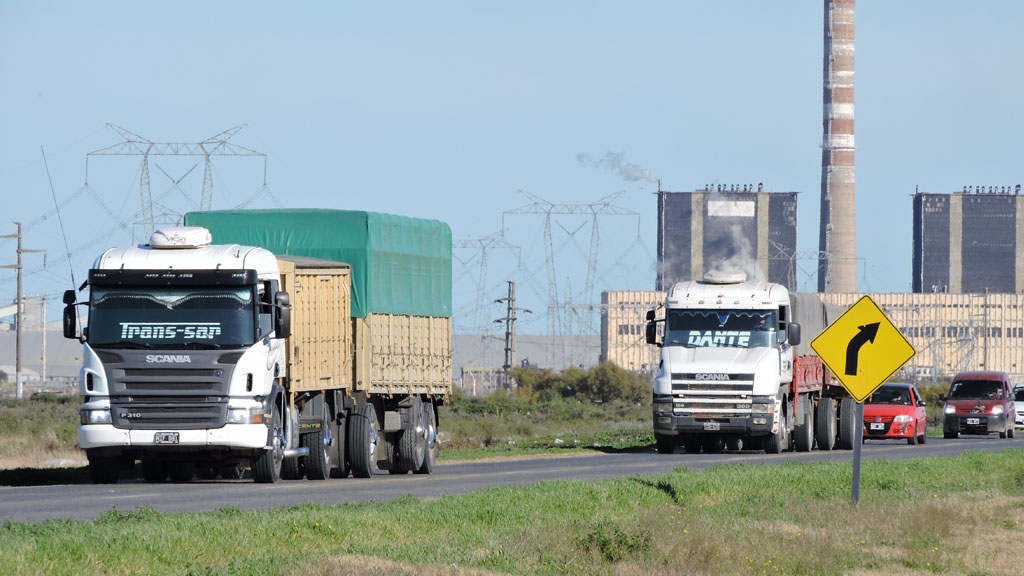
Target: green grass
x: 928, y: 515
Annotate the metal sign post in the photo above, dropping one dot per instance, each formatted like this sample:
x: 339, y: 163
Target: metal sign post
x: 858, y: 442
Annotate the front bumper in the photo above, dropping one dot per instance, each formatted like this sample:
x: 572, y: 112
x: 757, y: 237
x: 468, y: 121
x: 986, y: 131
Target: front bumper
x: 230, y: 436
x: 974, y: 423
x: 890, y: 430
x: 674, y: 425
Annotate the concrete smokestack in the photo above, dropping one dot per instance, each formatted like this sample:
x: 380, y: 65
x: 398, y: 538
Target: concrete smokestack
x: 837, y: 264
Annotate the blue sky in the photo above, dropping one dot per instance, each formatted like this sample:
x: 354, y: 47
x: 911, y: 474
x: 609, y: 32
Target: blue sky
x: 447, y: 109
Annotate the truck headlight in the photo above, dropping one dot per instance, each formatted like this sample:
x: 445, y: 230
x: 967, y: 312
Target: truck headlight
x: 245, y: 415
x: 903, y: 418
x: 997, y: 409
x: 100, y: 416
x: 759, y: 408
x: 662, y: 406
x: 949, y: 409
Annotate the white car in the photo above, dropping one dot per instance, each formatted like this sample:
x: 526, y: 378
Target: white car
x: 1018, y: 400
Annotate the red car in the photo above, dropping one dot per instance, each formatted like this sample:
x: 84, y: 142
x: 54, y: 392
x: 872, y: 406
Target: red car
x: 895, y: 411
x: 979, y: 402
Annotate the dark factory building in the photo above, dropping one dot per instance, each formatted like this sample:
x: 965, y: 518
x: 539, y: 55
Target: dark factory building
x: 969, y: 242
x: 730, y: 227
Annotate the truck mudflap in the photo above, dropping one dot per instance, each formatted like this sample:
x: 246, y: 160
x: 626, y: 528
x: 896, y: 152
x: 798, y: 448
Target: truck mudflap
x: 672, y: 425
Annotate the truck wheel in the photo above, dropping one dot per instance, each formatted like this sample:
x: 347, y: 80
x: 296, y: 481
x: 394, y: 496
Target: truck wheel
x: 803, y: 434
x: 776, y: 443
x: 433, y: 449
x: 664, y: 443
x: 848, y: 423
x: 181, y: 472
x: 363, y: 439
x: 267, y: 464
x: 692, y: 445
x: 321, y: 450
x: 410, y: 444
x: 342, y: 467
x: 154, y: 470
x: 712, y: 445
x: 104, y: 470
x: 825, y: 424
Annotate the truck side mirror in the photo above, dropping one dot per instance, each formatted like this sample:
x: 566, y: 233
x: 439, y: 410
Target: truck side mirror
x: 652, y: 333
x: 793, y: 333
x: 942, y: 397
x: 69, y: 297
x: 650, y: 315
x: 70, y: 322
x: 282, y: 315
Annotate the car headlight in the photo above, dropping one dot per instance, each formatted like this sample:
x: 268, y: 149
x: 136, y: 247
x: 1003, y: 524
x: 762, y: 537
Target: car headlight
x: 997, y: 409
x: 949, y: 409
x: 903, y: 418
x: 100, y: 416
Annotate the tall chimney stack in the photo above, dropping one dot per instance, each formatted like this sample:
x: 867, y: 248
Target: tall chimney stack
x: 837, y: 264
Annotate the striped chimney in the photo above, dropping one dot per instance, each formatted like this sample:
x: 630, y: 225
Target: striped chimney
x: 837, y: 263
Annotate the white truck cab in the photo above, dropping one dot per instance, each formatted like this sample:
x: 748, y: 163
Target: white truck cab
x: 726, y: 363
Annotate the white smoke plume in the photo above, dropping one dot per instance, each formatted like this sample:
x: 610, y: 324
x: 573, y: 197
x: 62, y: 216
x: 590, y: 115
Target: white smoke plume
x: 615, y: 162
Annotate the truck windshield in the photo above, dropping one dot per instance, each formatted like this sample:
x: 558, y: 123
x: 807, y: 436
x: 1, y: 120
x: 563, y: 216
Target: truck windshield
x: 718, y: 328
x: 157, y: 317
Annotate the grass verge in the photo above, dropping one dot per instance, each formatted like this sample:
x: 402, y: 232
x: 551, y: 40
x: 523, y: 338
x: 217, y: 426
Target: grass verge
x: 921, y: 516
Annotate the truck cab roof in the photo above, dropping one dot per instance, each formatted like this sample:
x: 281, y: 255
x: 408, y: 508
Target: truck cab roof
x: 722, y: 293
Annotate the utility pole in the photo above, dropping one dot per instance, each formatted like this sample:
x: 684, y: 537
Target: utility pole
x: 42, y: 330
x: 20, y: 315
x: 510, y: 329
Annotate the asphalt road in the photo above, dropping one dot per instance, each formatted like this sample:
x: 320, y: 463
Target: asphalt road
x: 86, y: 501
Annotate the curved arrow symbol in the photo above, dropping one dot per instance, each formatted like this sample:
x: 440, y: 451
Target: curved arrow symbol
x: 867, y: 334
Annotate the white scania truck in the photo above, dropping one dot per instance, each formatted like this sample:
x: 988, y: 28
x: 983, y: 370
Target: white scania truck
x: 203, y: 359
x: 734, y: 374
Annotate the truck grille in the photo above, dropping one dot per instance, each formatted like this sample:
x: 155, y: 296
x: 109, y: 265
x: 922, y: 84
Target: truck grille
x: 726, y: 396
x: 191, y: 396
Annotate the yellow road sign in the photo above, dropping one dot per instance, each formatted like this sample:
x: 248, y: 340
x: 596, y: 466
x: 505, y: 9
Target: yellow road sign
x: 862, y: 348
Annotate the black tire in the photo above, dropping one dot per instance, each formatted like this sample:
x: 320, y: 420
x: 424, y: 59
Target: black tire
x: 154, y: 470
x: 712, y: 444
x: 410, y: 443
x: 1002, y: 434
x: 267, y: 464
x: 825, y: 424
x: 363, y: 440
x: 1010, y: 431
x: 433, y: 449
x: 341, y: 466
x: 913, y: 439
x: 181, y: 472
x: 950, y: 435
x: 664, y: 443
x: 692, y: 445
x: 321, y: 450
x: 848, y: 423
x: 803, y: 434
x: 776, y: 443
x: 104, y: 470
x: 923, y: 437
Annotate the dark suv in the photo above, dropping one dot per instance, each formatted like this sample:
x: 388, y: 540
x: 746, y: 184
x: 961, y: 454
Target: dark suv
x: 979, y: 402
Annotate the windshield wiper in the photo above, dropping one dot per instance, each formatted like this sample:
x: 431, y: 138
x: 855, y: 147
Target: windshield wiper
x: 125, y: 344
x: 201, y: 345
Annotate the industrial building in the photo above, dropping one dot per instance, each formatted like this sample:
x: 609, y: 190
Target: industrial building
x: 950, y: 332
x: 737, y: 227
x: 969, y: 242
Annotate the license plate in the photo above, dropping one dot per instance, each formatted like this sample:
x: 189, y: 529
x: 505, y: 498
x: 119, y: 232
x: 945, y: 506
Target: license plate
x: 165, y: 438
x: 877, y: 426
x: 712, y: 426
x: 974, y: 420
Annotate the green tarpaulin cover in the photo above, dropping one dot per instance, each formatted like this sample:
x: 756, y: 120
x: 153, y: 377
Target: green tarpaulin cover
x: 400, y: 265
